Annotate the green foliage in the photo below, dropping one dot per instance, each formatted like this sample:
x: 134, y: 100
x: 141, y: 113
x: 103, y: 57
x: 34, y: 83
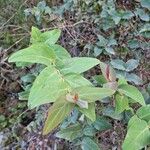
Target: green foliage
x: 60, y: 80
x: 42, y: 87
x: 144, y: 113
x: 70, y: 133
x: 56, y: 114
x: 88, y: 144
x: 132, y: 92
x: 38, y: 53
x: 121, y: 103
x: 56, y: 81
x: 78, y: 65
x: 49, y: 37
x: 138, y: 134
x: 120, y: 31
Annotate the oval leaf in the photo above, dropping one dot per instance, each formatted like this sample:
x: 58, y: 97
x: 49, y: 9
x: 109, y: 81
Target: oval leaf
x: 51, y: 37
x: 47, y: 87
x: 60, y: 52
x: 56, y: 114
x: 132, y: 92
x: 89, y: 144
x: 70, y: 133
x: 138, y: 135
x: 76, y: 80
x: 79, y: 64
x: 91, y: 94
x: 39, y: 53
x: 90, y: 112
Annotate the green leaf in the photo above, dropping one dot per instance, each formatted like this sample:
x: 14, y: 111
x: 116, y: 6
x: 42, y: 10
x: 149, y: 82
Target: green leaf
x: 102, y: 41
x: 145, y: 3
x: 70, y: 133
x: 101, y: 124
x: 51, y: 37
x: 100, y: 79
x: 47, y: 87
x: 76, y: 80
x: 132, y: 92
x: 110, y: 50
x: 60, y: 52
x: 91, y: 94
x: 138, y: 135
x: 145, y: 28
x: 133, y: 44
x: 56, y: 114
x: 39, y: 53
x: 35, y: 35
x: 89, y: 131
x: 131, y: 77
x: 90, y: 112
x: 122, y: 80
x: 97, y: 51
x: 127, y: 14
x: 121, y: 103
x: 144, y: 113
x: 110, y: 112
x: 118, y: 64
x: 89, y: 144
x: 131, y: 64
x: 142, y: 14
x: 79, y: 64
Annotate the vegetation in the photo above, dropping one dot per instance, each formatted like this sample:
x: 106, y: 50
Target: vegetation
x: 96, y: 84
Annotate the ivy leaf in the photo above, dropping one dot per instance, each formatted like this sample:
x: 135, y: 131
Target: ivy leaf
x: 101, y: 124
x: 51, y: 37
x: 142, y: 14
x: 56, y: 114
x: 131, y: 77
x: 47, y: 87
x: 132, y: 92
x: 145, y: 3
x: 131, y: 64
x: 121, y: 103
x: 70, y: 133
x: 118, y: 64
x: 76, y: 80
x: 138, y: 134
x: 133, y: 44
x: 91, y: 94
x: 110, y: 112
x: 110, y: 50
x: 79, y: 64
x: 127, y: 15
x: 39, y: 53
x: 90, y: 112
x: 88, y: 144
x: 89, y: 130
x: 97, y: 51
x: 144, y: 113
x: 102, y: 41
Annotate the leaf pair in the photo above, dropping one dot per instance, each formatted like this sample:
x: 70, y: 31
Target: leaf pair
x: 90, y: 94
x: 49, y: 37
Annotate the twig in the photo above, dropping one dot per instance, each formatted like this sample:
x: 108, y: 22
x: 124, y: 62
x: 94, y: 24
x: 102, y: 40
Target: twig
x: 13, y: 14
x: 15, y: 43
